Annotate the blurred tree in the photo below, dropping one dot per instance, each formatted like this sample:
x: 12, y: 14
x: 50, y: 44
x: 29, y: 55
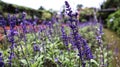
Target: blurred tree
x: 113, y: 22
x: 46, y: 15
x: 79, y: 6
x: 111, y: 4
x: 85, y: 14
x: 41, y: 8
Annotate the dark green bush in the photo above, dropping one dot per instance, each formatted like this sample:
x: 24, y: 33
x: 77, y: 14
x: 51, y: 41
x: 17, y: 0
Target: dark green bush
x: 113, y: 22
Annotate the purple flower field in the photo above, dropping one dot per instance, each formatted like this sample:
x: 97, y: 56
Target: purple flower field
x: 62, y: 41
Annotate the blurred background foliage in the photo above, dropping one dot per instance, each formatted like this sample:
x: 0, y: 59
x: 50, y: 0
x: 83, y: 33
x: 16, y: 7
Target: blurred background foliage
x: 86, y: 14
x: 41, y: 13
x: 113, y: 22
x: 111, y: 18
x: 109, y: 4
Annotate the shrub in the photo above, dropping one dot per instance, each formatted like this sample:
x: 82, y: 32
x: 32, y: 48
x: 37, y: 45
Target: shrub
x: 113, y: 21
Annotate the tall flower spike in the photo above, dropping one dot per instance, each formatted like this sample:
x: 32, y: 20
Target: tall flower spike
x: 11, y: 39
x: 74, y: 31
x: 79, y: 42
x: 64, y: 36
x: 100, y: 44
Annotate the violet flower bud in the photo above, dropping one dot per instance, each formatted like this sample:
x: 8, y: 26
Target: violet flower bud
x: 36, y: 47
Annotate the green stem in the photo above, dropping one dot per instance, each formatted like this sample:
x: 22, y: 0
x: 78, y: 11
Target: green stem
x: 79, y: 62
x: 24, y: 56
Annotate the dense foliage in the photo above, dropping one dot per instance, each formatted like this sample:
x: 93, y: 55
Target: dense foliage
x: 86, y: 14
x: 6, y: 8
x: 108, y: 4
x: 111, y: 4
x: 113, y: 22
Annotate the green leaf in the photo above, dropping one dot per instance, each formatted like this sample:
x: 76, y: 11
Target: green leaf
x: 23, y: 61
x: 94, y: 61
x: 34, y: 64
x: 40, y: 58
